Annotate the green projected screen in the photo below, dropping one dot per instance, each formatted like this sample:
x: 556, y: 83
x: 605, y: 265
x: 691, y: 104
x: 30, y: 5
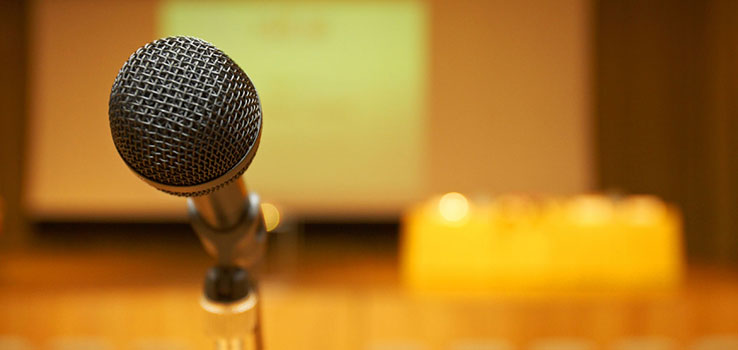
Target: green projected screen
x: 342, y: 87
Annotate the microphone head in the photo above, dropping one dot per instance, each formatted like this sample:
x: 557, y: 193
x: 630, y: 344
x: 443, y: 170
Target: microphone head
x: 184, y: 116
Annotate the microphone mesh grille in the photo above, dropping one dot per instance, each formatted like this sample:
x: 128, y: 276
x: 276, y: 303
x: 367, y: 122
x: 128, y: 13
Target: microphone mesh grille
x: 182, y: 113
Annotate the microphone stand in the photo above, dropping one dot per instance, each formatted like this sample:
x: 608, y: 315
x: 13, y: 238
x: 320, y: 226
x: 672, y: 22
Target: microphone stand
x: 231, y: 296
x: 232, y: 325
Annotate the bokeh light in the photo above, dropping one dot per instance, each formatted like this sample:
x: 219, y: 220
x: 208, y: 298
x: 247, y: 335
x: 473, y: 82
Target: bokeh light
x: 272, y: 216
x: 453, y: 207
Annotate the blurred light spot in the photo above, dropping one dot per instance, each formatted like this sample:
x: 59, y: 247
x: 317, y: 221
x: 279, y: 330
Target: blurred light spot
x: 645, y: 343
x: 396, y: 345
x: 453, y: 206
x: 13, y: 343
x: 271, y: 216
x: 481, y: 344
x: 81, y: 343
x: 516, y: 209
x: 591, y: 210
x: 160, y: 344
x: 717, y: 342
x: 643, y: 210
x: 562, y: 344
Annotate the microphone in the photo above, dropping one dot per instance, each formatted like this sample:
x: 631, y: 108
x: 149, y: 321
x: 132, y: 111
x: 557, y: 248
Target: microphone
x: 187, y: 120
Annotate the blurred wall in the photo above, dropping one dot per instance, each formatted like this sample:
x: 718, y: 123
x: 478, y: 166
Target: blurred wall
x: 510, y: 98
x: 666, y: 111
x: 72, y: 168
x: 507, y: 108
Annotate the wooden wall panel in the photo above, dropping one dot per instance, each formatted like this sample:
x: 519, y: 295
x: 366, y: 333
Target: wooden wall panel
x: 12, y: 114
x: 664, y: 111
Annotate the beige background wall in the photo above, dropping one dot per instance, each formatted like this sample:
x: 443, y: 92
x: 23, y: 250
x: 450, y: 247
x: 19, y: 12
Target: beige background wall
x: 508, y: 105
x: 509, y: 96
